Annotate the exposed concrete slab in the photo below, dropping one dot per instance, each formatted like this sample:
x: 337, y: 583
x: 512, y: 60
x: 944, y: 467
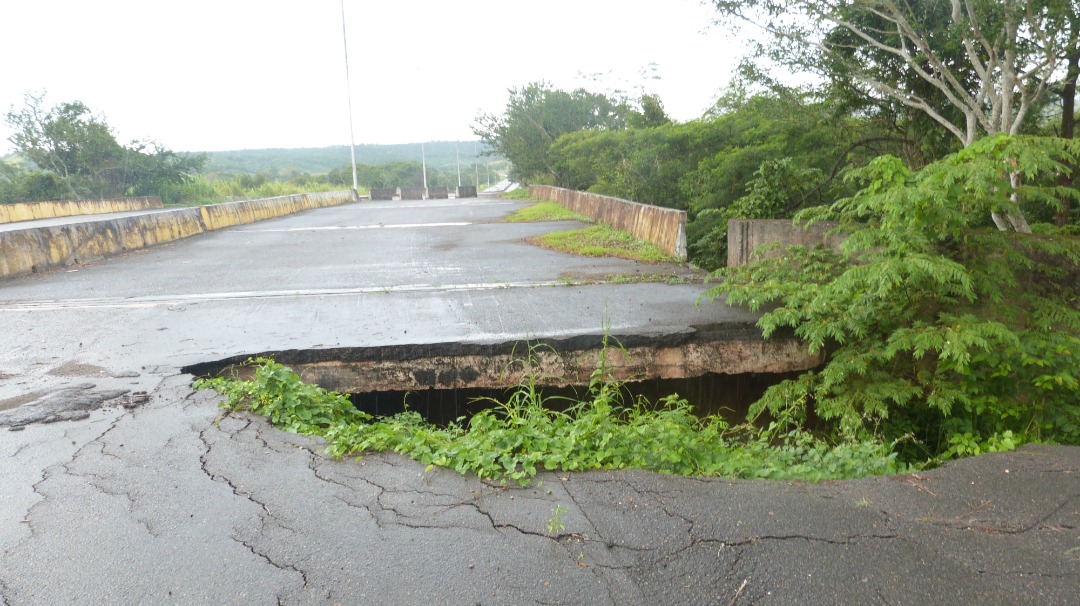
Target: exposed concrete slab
x: 728, y: 349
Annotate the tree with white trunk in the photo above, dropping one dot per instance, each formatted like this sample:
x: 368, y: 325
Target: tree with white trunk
x: 975, y: 67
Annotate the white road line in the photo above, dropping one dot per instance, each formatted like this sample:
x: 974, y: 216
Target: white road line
x: 348, y: 227
x: 136, y: 302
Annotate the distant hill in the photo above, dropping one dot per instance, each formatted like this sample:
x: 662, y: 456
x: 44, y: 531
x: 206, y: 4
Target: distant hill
x: 318, y: 160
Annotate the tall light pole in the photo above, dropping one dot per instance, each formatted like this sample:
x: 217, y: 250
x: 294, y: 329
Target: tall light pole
x: 457, y: 154
x: 476, y: 167
x: 423, y: 166
x: 348, y: 85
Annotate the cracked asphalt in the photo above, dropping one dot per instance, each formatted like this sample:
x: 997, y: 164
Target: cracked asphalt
x: 110, y: 496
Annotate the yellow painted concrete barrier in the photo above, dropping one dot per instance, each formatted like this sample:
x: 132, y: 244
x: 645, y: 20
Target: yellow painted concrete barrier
x: 28, y: 211
x: 25, y: 251
x: 664, y: 227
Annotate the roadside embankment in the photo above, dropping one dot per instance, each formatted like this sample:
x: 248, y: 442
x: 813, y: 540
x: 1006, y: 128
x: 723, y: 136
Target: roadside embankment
x: 664, y: 227
x: 35, y: 249
x: 28, y: 211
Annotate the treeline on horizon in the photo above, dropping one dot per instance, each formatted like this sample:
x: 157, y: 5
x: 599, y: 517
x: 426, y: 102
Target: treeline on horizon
x: 66, y: 151
x: 442, y: 155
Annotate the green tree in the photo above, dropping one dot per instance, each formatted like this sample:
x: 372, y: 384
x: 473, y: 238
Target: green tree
x: 974, y: 67
x: 68, y: 141
x: 966, y: 339
x: 704, y: 166
x: 535, y: 116
x: 776, y: 190
x: 78, y: 151
x: 649, y: 114
x: 148, y: 169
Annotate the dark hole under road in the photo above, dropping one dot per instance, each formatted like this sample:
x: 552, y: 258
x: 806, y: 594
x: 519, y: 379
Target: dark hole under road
x: 729, y: 396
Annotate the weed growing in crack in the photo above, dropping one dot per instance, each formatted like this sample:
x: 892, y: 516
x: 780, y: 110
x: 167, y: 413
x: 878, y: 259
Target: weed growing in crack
x: 525, y: 434
x: 555, y: 525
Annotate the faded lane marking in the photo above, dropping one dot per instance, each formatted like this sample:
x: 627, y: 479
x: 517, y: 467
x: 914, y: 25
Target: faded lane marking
x: 395, y: 205
x: 341, y: 227
x: 136, y: 302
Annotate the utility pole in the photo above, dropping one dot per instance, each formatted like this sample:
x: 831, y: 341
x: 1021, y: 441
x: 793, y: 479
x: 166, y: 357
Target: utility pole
x: 423, y: 166
x: 348, y: 86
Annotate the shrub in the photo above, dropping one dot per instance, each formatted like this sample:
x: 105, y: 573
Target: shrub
x: 964, y: 337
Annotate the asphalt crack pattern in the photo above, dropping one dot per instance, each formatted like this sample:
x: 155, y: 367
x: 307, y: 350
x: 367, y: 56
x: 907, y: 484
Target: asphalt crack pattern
x: 265, y: 516
x: 300, y: 527
x: 283, y: 567
x: 379, y: 487
x: 63, y: 467
x: 100, y: 481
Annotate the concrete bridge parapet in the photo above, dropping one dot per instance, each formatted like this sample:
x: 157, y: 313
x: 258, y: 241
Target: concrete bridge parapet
x: 664, y: 227
x: 746, y: 236
x: 29, y: 211
x: 34, y: 249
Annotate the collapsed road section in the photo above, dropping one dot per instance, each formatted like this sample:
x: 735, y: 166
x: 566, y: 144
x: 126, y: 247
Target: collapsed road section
x: 440, y: 380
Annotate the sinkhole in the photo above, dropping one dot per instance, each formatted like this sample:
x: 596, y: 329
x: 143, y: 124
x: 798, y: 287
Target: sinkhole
x: 728, y: 396
x: 717, y: 369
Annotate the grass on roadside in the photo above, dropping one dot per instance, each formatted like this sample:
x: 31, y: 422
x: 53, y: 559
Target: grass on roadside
x: 603, y: 241
x: 521, y: 193
x: 546, y: 211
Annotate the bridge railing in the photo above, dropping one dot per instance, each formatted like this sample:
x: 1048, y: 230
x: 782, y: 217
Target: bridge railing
x: 35, y: 249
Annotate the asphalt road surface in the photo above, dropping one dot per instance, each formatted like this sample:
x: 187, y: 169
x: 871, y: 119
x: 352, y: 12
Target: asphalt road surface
x: 110, y: 496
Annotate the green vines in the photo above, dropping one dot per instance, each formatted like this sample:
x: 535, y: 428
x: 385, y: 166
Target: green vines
x: 519, y: 437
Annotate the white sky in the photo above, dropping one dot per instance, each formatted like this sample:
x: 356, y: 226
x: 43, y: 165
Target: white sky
x: 202, y: 75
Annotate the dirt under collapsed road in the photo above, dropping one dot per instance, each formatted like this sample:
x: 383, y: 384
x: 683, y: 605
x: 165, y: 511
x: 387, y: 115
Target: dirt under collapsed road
x: 161, y: 500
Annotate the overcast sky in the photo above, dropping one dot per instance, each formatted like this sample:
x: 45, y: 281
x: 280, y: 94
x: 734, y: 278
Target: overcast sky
x: 202, y: 75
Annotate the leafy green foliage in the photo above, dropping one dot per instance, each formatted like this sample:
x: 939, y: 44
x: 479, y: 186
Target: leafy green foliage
x: 75, y: 155
x: 966, y: 338
x: 535, y: 116
x: 967, y: 66
x: 279, y: 395
x: 785, y: 145
x: 775, y: 190
x: 516, y: 439
x: 555, y: 525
